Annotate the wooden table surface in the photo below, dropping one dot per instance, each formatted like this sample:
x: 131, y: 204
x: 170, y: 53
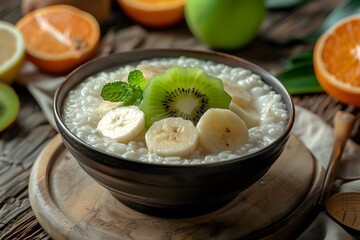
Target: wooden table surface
x: 20, y: 145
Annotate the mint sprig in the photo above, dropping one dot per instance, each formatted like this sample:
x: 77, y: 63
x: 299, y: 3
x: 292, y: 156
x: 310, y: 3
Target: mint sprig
x: 130, y: 93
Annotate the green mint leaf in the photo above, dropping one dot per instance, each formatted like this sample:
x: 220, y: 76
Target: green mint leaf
x: 117, y: 92
x: 135, y: 98
x: 130, y: 93
x: 136, y: 78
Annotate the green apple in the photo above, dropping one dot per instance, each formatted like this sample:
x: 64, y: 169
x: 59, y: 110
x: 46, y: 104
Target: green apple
x: 225, y: 24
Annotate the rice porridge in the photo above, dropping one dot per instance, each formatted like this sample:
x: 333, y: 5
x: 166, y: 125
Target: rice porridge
x: 84, y: 108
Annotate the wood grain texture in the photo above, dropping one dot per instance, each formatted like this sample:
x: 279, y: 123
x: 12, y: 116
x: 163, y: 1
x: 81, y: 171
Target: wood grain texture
x: 343, y: 125
x: 20, y: 145
x: 345, y: 206
x: 69, y: 204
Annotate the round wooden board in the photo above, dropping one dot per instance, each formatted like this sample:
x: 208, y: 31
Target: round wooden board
x: 69, y: 204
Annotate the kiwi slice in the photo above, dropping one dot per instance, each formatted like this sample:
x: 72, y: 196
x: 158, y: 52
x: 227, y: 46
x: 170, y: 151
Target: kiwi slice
x: 182, y: 92
x: 9, y: 106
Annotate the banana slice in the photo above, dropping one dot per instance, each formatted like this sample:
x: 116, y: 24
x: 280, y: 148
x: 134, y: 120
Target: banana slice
x: 248, y: 114
x: 221, y: 130
x: 238, y: 94
x: 172, y: 136
x: 241, y: 104
x: 122, y: 124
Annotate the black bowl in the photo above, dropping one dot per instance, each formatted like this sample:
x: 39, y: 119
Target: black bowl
x: 170, y: 190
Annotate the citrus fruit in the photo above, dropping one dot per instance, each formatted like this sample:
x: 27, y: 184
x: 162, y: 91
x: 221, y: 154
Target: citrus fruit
x: 225, y: 24
x: 12, y: 52
x: 9, y: 106
x: 337, y: 60
x: 59, y: 38
x: 154, y: 13
x: 99, y: 9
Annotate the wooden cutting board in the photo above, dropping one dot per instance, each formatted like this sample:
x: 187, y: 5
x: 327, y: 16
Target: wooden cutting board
x: 69, y: 204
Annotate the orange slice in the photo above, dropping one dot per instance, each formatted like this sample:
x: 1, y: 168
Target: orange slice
x: 337, y: 60
x: 154, y: 13
x: 59, y: 38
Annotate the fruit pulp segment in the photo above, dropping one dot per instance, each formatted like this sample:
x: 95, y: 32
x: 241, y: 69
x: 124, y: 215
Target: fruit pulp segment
x: 356, y: 52
x: 7, y: 46
x: 344, y: 62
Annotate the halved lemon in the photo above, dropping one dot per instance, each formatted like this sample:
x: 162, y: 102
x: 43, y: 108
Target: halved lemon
x: 337, y: 60
x: 12, y: 52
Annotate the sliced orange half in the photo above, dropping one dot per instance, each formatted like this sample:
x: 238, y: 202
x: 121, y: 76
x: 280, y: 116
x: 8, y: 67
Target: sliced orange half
x: 59, y: 38
x: 337, y: 60
x: 154, y: 13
